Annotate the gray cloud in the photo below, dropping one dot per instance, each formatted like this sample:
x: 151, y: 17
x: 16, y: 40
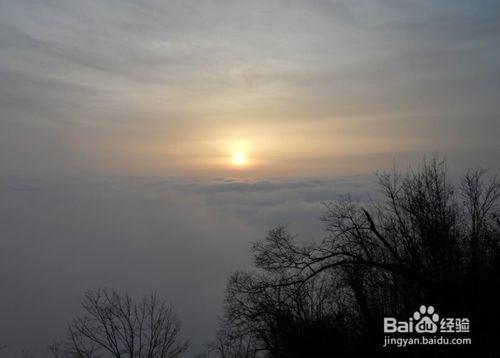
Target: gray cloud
x: 140, y: 88
x: 62, y: 236
x: 131, y: 73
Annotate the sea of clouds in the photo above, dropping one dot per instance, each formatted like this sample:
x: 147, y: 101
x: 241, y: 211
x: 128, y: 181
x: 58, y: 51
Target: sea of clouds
x: 179, y: 237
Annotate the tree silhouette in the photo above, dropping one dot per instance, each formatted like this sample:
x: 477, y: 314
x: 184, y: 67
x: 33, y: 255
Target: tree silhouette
x: 230, y: 343
x: 114, y: 325
x: 428, y: 241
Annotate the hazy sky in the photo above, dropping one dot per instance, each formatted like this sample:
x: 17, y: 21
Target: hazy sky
x: 119, y: 121
x: 302, y: 87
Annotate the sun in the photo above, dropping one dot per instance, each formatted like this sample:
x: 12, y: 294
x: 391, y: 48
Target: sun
x: 239, y: 158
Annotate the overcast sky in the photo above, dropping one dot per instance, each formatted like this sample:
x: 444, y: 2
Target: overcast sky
x: 304, y: 87
x: 119, y: 121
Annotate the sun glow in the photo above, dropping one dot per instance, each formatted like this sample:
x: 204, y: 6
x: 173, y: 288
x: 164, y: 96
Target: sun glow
x: 239, y: 158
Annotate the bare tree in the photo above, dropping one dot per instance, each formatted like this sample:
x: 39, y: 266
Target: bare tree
x: 428, y: 241
x: 302, y: 319
x: 114, y: 325
x: 230, y: 343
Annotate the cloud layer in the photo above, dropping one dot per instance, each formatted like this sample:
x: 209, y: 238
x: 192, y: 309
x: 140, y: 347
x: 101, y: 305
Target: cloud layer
x: 179, y: 237
x: 98, y: 97
x: 166, y: 87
